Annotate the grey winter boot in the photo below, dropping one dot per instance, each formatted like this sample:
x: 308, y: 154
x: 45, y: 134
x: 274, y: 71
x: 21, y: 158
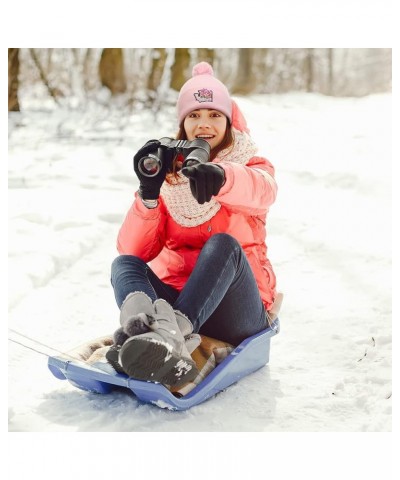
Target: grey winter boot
x: 136, y: 311
x: 161, y: 354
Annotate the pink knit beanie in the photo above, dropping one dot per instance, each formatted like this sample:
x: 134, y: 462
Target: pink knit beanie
x: 203, y: 90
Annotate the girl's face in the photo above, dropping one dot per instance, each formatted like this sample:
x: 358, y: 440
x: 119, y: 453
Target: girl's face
x: 210, y: 125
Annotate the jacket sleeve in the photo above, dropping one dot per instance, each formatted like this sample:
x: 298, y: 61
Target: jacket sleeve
x: 250, y: 188
x: 142, y: 232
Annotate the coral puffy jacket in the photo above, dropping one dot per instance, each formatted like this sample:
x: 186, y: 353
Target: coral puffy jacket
x: 248, y: 192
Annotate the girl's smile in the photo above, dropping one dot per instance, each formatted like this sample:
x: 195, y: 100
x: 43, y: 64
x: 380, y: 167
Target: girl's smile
x: 210, y: 125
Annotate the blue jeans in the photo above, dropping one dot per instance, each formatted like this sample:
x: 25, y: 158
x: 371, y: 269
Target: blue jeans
x: 221, y: 297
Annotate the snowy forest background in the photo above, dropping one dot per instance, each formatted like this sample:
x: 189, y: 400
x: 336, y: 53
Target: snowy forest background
x: 147, y: 76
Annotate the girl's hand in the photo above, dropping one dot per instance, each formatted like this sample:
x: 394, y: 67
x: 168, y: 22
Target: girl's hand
x: 206, y: 180
x: 149, y: 188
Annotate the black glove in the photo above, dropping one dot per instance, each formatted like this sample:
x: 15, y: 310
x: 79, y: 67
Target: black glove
x: 206, y: 180
x: 149, y: 188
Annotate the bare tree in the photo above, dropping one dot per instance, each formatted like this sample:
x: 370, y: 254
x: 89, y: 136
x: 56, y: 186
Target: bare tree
x: 245, y: 79
x: 54, y: 93
x: 179, y: 68
x: 309, y: 69
x: 206, y: 55
x: 111, y: 70
x: 260, y: 67
x: 86, y: 69
x: 159, y: 56
x: 330, y: 71
x: 13, y: 80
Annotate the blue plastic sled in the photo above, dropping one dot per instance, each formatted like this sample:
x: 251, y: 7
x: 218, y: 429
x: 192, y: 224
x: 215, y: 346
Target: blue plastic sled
x: 249, y: 356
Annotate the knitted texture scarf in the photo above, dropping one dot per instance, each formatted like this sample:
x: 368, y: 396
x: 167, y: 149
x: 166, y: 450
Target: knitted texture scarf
x: 178, y: 198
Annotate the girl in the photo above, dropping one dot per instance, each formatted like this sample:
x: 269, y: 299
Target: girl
x: 193, y: 257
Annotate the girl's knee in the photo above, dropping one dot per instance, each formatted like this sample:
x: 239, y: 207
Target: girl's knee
x: 125, y: 261
x: 221, y: 245
x: 223, y: 241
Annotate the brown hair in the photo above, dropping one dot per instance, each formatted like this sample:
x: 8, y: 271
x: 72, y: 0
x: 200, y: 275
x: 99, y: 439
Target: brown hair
x: 226, y: 142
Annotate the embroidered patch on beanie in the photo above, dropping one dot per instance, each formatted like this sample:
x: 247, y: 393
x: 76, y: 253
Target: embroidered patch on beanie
x: 204, y: 95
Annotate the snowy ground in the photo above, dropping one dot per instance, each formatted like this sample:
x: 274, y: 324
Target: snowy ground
x: 70, y: 184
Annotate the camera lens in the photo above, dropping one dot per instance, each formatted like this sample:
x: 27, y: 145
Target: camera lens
x: 199, y: 153
x: 150, y: 165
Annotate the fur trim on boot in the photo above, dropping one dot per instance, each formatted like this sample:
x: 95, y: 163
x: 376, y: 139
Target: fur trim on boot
x: 136, y: 314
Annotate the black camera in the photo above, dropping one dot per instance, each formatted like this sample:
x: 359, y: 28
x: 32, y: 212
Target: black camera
x: 195, y: 151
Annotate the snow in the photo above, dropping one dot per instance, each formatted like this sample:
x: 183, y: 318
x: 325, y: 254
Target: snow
x: 329, y: 237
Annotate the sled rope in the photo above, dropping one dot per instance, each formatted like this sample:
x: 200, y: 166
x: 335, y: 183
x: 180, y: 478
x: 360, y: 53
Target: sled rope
x: 30, y: 348
x: 42, y: 344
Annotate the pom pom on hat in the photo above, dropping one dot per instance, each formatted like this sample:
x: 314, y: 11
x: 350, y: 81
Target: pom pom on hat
x: 203, y: 90
x: 202, y: 68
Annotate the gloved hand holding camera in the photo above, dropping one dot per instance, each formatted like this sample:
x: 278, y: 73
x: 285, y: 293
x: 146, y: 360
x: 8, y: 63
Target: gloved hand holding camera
x: 152, y: 179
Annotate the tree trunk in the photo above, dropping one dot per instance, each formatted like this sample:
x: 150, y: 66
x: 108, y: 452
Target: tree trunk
x: 53, y: 92
x: 13, y: 82
x: 309, y: 69
x: 87, y: 81
x: 245, y: 80
x: 260, y: 61
x: 206, y: 55
x: 159, y: 56
x: 179, y: 68
x: 330, y: 72
x: 111, y: 70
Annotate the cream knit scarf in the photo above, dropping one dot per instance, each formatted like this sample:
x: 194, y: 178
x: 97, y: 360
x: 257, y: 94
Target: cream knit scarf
x: 178, y: 198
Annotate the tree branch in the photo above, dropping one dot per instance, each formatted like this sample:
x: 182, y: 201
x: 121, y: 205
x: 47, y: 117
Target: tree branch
x: 43, y: 75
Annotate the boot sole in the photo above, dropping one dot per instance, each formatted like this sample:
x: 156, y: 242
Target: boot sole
x: 152, y: 361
